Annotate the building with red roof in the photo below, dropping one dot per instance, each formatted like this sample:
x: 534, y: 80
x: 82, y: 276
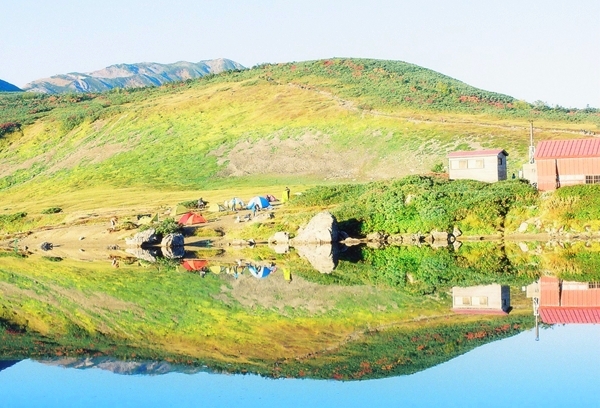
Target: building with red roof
x: 483, y: 165
x: 568, y: 302
x: 562, y: 163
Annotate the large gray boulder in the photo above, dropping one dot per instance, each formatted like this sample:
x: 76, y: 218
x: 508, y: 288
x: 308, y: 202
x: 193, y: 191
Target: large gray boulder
x: 322, y: 228
x: 172, y: 240
x: 144, y: 238
x: 280, y: 237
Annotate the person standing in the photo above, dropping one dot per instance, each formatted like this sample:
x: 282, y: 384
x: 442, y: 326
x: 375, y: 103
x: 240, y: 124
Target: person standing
x: 286, y: 194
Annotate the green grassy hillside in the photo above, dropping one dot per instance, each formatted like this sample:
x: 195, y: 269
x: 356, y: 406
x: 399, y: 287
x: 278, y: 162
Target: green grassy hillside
x: 341, y: 119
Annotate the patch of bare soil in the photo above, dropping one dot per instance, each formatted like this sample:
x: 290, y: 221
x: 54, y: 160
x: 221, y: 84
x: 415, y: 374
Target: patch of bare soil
x: 82, y: 242
x: 275, y: 292
x: 89, y: 154
x: 95, y: 241
x: 313, y: 154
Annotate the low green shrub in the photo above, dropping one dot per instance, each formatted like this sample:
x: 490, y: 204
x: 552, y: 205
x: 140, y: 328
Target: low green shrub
x: 421, y: 204
x: 164, y: 227
x: 52, y: 210
x: 189, y: 204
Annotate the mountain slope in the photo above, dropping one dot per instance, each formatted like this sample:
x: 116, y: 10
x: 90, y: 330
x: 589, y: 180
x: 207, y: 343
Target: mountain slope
x: 130, y: 76
x: 8, y: 87
x: 343, y: 119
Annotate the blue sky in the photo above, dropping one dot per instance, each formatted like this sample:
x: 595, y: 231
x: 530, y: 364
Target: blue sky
x: 530, y: 49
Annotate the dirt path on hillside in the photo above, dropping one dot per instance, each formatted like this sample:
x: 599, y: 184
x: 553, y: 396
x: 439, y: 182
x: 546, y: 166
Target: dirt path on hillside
x: 351, y: 106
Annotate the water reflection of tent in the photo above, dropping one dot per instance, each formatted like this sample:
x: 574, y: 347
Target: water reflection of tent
x: 260, y: 202
x: 260, y: 272
x: 194, y: 264
x: 191, y: 218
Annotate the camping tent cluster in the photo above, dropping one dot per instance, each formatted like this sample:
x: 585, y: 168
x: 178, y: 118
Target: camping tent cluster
x: 259, y: 202
x: 191, y: 218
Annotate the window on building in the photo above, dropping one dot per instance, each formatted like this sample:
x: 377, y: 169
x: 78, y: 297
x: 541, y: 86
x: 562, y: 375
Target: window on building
x: 500, y: 161
x: 593, y: 285
x: 595, y: 179
x: 466, y: 300
x: 458, y: 164
x: 475, y: 164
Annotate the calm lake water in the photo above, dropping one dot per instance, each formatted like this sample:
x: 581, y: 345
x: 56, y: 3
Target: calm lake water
x: 561, y: 369
x: 475, y: 365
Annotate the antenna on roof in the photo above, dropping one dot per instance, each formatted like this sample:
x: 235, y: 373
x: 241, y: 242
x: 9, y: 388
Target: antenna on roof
x: 531, y: 146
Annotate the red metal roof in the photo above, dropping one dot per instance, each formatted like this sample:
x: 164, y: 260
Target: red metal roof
x: 480, y: 311
x: 471, y: 153
x: 549, y: 291
x: 580, y: 298
x: 556, y: 149
x: 553, y: 315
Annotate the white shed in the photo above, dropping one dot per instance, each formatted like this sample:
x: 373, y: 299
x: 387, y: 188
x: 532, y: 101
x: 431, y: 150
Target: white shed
x: 485, y: 299
x: 482, y: 165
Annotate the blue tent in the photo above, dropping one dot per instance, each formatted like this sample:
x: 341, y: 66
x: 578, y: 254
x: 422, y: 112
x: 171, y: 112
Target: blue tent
x: 259, y: 201
x: 261, y: 271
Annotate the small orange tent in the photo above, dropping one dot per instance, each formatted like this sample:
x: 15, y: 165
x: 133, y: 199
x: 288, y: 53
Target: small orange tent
x: 191, y: 218
x: 194, y: 264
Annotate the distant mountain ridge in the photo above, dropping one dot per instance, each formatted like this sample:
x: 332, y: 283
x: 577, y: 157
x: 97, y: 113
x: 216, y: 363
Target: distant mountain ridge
x: 8, y: 87
x: 129, y: 76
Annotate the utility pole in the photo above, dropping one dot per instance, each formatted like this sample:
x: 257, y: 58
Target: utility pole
x: 536, y: 313
x: 531, y: 146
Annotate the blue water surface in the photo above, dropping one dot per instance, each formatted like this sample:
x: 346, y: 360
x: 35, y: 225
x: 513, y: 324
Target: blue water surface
x: 560, y: 370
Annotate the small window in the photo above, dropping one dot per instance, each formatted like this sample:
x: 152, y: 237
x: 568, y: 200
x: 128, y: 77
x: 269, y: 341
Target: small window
x: 595, y: 179
x: 466, y: 300
x: 462, y: 164
x: 500, y: 161
x: 476, y: 164
x: 594, y: 285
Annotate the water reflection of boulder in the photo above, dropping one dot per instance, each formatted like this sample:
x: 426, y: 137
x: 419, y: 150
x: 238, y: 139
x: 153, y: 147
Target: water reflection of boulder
x: 124, y: 367
x: 279, y: 248
x: 174, y: 252
x: 149, y: 255
x: 324, y: 258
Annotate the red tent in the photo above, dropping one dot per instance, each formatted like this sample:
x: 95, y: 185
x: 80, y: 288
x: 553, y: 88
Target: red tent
x: 194, y: 264
x: 191, y: 218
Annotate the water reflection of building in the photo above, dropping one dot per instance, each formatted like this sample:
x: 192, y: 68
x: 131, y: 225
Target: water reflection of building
x: 559, y: 301
x: 488, y: 299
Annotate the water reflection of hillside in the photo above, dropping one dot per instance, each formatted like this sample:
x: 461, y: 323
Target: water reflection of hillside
x: 380, y: 311
x: 131, y: 367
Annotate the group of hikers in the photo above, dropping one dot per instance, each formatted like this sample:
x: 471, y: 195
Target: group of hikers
x: 240, y: 267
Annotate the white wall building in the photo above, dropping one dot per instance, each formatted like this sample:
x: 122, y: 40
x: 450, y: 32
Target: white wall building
x: 482, y: 165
